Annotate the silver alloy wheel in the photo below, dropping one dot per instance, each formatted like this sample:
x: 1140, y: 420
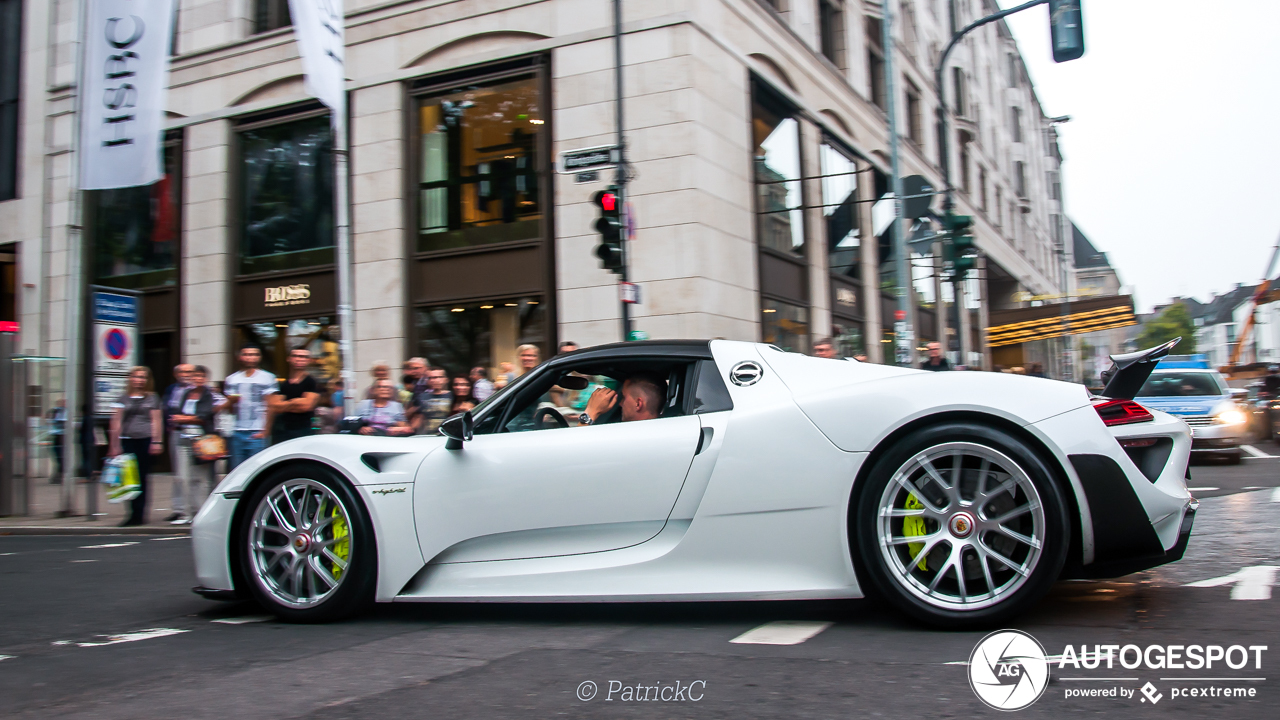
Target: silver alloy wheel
x: 300, y: 543
x: 961, y: 526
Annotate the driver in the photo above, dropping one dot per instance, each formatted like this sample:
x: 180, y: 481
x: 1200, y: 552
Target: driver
x: 642, y: 398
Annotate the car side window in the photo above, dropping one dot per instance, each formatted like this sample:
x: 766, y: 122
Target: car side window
x: 710, y: 393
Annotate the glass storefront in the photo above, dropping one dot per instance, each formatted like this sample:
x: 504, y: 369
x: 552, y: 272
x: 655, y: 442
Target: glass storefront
x: 286, y: 196
x: 839, y: 206
x: 848, y: 338
x: 460, y: 336
x: 479, y: 163
x: 785, y: 325
x: 779, y: 214
x: 135, y: 230
x: 319, y: 335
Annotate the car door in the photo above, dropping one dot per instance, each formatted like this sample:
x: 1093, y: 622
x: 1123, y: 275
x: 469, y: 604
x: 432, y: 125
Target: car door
x: 553, y: 492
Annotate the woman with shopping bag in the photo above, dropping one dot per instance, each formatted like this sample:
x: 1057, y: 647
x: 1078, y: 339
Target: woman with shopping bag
x: 137, y: 428
x: 198, y: 445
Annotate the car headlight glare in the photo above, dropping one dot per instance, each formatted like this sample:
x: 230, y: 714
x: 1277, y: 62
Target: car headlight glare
x: 1231, y: 417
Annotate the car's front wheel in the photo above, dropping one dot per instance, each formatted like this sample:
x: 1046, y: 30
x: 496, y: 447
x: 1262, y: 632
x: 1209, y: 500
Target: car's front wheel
x: 960, y: 525
x: 307, y: 545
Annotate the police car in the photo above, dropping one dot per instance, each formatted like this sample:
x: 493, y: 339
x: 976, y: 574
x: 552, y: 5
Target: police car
x: 1186, y: 387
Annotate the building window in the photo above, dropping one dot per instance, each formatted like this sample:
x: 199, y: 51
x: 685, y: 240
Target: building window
x: 965, y: 140
x: 831, y: 31
x: 1055, y: 187
x: 270, y: 15
x: 10, y: 81
x: 478, y: 161
x: 286, y: 195
x: 999, y: 206
x: 1020, y: 179
x: 779, y: 214
x: 784, y: 325
x: 982, y: 189
x: 1013, y: 69
x: 462, y: 336
x: 915, y: 114
x: 839, y: 206
x: 317, y: 334
x: 910, y: 37
x: 1015, y: 123
x: 135, y: 230
x: 960, y: 98
x: 875, y: 63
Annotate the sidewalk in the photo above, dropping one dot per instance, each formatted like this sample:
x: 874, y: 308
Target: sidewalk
x: 46, y: 501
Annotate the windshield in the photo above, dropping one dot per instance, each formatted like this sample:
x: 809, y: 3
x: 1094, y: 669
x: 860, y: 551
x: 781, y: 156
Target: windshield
x: 1174, y: 384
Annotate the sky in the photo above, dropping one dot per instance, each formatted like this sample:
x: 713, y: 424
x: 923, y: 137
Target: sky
x: 1172, y: 155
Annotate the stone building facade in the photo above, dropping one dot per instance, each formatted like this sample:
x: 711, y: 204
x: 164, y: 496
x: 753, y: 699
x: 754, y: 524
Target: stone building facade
x: 756, y: 129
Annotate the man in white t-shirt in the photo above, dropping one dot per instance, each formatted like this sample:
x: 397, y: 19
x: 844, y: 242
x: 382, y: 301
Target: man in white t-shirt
x: 247, y: 393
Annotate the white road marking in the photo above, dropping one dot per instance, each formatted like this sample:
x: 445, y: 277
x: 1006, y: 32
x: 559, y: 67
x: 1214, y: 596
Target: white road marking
x: 83, y: 561
x: 175, y: 537
x: 108, y: 545
x: 147, y: 634
x: 1275, y: 495
x: 781, y: 632
x: 1250, y: 583
x: 244, y: 620
x: 1255, y: 452
x: 7, y: 657
x: 8, y: 554
x: 1202, y: 489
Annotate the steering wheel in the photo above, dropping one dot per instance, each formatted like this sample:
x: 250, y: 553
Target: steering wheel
x: 551, y: 412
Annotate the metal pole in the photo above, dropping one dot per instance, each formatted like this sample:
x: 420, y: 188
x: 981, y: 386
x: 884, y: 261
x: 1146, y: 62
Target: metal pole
x: 346, y: 321
x: 903, y: 333
x: 74, y: 285
x: 622, y: 165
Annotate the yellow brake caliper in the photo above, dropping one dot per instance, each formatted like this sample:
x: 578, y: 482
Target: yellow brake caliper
x: 914, y: 527
x: 341, y: 548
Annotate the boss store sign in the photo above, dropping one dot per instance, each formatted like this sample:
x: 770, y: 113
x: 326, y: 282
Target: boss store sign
x: 281, y: 297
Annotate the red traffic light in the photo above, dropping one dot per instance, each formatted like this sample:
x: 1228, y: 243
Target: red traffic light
x: 606, y: 200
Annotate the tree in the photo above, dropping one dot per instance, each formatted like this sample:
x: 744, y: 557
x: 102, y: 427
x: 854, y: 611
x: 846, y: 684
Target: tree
x: 1174, y: 322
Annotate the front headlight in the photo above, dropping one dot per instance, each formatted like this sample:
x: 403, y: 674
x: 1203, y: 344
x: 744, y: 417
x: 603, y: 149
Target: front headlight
x: 1231, y: 417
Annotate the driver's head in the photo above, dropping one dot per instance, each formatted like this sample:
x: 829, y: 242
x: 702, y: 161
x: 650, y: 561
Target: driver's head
x: 642, y: 397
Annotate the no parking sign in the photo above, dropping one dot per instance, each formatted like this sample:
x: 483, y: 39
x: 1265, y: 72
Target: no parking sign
x: 115, y: 346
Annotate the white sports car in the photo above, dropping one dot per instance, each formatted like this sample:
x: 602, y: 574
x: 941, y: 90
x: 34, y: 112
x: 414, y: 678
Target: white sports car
x: 959, y: 497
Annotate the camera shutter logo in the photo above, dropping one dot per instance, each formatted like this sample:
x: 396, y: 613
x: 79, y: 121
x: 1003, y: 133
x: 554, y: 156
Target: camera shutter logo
x: 1008, y: 670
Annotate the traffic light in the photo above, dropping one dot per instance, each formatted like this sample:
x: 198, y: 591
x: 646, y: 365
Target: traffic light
x: 609, y: 225
x: 1066, y: 30
x: 964, y: 253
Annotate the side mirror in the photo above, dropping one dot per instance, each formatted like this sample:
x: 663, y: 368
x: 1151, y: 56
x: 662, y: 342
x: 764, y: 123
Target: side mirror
x: 459, y: 429
x: 1239, y: 393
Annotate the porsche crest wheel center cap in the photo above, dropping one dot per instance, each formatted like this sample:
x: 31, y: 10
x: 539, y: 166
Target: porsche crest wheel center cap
x: 301, y: 543
x: 961, y: 524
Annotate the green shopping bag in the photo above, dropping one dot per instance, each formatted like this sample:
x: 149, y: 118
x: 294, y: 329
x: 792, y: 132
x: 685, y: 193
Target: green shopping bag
x: 121, y: 476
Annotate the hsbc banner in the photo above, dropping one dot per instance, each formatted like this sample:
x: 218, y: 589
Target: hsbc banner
x: 319, y: 27
x: 126, y: 64
x: 115, y: 346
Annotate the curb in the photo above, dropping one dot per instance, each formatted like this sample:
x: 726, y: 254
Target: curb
x: 89, y: 530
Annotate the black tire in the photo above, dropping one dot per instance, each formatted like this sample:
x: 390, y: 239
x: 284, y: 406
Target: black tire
x: 892, y: 579
x: 355, y: 583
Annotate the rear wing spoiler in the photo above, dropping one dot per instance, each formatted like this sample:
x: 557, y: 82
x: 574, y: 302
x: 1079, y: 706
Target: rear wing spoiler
x: 1129, y: 371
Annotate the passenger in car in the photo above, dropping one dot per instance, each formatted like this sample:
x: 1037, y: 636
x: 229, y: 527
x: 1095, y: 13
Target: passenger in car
x: 641, y: 399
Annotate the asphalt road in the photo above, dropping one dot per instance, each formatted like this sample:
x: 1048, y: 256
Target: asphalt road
x: 106, y: 627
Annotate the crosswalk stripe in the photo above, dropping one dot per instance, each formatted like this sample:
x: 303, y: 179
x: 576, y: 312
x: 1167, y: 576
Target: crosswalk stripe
x: 1255, y: 451
x: 1202, y: 489
x: 244, y: 620
x: 1275, y: 495
x: 781, y: 632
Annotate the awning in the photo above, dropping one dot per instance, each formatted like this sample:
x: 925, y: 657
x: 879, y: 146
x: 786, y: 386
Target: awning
x: 1010, y: 327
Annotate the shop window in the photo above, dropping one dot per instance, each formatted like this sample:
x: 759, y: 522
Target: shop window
x: 839, y: 206
x: 319, y: 335
x: 286, y: 211
x: 784, y: 325
x: 479, y: 164
x: 270, y: 15
x: 461, y: 336
x: 779, y: 214
x: 848, y: 339
x: 135, y: 230
x: 10, y: 77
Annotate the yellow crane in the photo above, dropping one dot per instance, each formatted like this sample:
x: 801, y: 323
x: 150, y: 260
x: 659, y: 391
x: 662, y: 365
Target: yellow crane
x: 1262, y: 294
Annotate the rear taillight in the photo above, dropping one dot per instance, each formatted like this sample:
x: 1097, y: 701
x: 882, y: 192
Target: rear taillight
x: 1122, y: 412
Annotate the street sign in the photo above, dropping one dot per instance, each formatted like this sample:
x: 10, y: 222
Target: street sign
x: 916, y: 185
x: 638, y: 335
x: 113, y: 308
x: 115, y: 346
x: 629, y: 292
x: 587, y: 159
x: 106, y: 390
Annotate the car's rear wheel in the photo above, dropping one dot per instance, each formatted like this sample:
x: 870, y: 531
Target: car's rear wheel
x: 307, y: 545
x: 961, y: 525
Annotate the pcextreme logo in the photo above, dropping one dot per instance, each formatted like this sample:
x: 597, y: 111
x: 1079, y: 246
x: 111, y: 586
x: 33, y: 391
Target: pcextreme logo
x: 1008, y: 670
